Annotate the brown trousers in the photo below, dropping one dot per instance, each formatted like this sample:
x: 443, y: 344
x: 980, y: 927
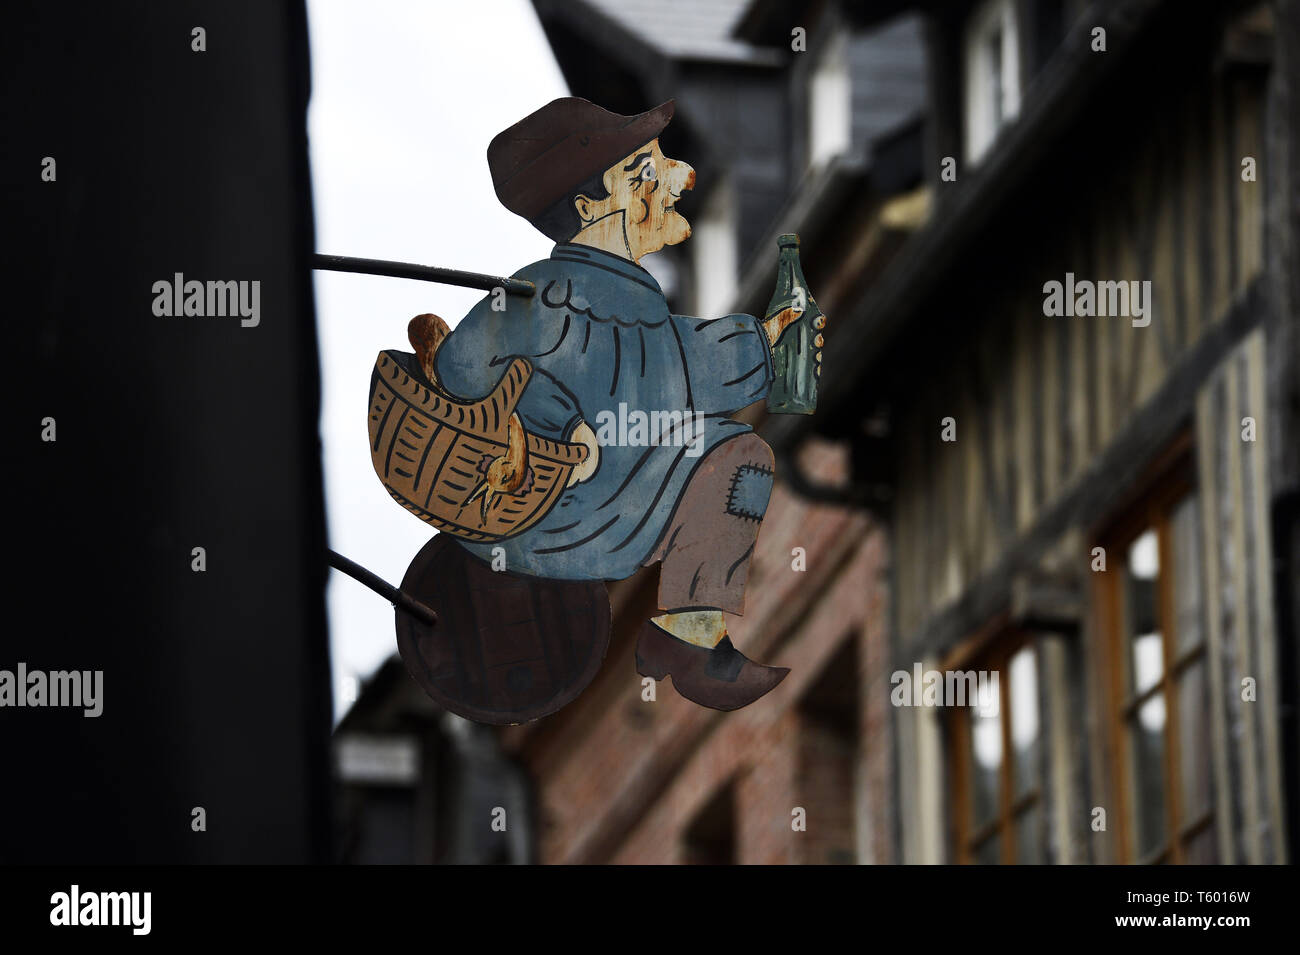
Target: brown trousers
x: 709, y: 541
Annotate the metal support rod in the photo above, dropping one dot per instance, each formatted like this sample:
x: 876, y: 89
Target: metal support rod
x: 425, y: 273
x: 395, y: 596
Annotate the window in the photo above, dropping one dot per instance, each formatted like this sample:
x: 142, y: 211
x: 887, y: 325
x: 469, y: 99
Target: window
x: 991, y: 73
x: 997, y: 753
x: 711, y: 837
x: 828, y: 760
x: 993, y: 57
x: 830, y: 116
x: 1158, y: 679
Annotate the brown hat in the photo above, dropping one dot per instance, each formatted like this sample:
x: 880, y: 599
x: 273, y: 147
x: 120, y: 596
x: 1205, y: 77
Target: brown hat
x: 540, y: 159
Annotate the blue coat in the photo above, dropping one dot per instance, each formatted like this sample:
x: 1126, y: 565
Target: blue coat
x: 598, y: 333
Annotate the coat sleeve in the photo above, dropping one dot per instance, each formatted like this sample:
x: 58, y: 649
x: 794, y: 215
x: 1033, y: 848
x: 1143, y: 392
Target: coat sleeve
x: 728, y: 361
x: 472, y: 359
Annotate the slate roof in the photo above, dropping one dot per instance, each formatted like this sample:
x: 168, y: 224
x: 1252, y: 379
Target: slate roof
x: 686, y: 29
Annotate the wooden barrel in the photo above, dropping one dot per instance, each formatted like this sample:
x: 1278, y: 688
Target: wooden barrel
x: 431, y: 451
x: 507, y: 648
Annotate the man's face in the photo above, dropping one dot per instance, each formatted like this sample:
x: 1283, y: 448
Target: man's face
x: 643, y: 188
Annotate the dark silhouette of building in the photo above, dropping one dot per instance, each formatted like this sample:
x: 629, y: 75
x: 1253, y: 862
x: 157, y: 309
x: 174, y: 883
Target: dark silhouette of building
x: 171, y: 434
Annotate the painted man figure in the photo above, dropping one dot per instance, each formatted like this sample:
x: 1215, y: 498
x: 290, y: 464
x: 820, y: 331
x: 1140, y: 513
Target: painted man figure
x: 693, y: 491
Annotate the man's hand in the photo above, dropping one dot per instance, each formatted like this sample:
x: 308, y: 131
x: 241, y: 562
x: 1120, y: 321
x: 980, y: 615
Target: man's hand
x: 775, y: 325
x: 583, y: 435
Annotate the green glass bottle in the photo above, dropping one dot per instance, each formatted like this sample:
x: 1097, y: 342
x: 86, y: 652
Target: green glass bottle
x: 794, y: 356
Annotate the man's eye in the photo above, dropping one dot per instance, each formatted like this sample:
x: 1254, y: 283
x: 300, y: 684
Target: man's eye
x: 645, y: 174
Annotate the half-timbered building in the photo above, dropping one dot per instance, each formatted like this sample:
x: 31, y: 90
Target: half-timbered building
x: 1099, y: 505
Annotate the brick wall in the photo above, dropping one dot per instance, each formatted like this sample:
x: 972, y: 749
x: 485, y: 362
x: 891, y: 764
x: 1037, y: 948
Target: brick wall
x: 620, y: 779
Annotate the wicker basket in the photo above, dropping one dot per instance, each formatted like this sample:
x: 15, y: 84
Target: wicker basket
x: 431, y: 451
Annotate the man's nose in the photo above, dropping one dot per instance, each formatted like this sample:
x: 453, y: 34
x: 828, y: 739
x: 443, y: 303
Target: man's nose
x: 683, y: 176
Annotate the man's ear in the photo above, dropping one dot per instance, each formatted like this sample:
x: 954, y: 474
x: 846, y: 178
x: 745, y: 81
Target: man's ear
x: 584, y: 206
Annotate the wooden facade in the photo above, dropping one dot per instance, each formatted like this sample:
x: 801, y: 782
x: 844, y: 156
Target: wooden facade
x: 1036, y: 399
x: 1062, y: 425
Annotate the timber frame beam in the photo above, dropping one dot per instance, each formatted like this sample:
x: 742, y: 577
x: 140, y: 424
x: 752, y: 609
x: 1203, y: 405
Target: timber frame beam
x: 1096, y: 491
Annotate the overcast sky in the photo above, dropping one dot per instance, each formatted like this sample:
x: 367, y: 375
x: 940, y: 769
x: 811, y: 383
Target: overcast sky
x: 405, y: 97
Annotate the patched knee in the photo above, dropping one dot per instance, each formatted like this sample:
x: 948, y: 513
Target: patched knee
x: 748, y: 493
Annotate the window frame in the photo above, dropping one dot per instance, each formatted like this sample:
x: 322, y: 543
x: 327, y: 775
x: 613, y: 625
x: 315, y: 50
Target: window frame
x: 980, y: 128
x: 992, y: 648
x: 829, y: 103
x: 1171, y: 481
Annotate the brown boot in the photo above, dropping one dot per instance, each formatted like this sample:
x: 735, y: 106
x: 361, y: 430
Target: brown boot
x: 722, y: 678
